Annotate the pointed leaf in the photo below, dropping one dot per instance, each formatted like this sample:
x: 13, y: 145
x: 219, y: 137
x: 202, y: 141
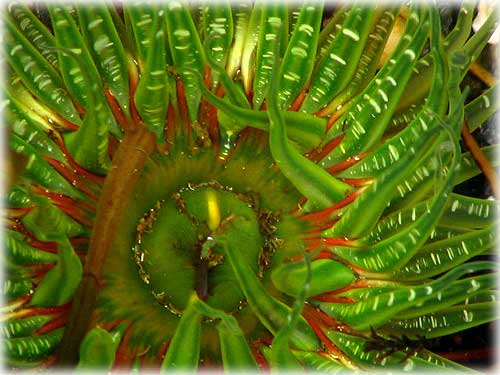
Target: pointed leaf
x: 107, y: 50
x: 35, y: 31
x: 184, y: 350
x: 452, y: 320
x: 59, y: 284
x: 334, y: 72
x: 297, y: 65
x: 35, y: 347
x: 187, y: 52
x: 151, y: 96
x: 38, y: 75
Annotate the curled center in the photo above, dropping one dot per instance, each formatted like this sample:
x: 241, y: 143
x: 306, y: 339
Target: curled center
x: 175, y: 251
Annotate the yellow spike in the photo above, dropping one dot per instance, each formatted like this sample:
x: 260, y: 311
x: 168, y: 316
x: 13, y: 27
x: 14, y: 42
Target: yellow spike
x: 213, y: 210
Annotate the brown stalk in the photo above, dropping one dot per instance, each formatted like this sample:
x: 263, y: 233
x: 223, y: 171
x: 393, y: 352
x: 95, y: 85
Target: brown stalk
x: 119, y: 185
x: 480, y: 158
x: 483, y: 74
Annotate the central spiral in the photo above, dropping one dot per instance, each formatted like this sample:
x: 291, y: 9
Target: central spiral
x: 183, y: 208
x: 176, y: 253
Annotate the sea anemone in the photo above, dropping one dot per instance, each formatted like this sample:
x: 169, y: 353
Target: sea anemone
x: 243, y: 186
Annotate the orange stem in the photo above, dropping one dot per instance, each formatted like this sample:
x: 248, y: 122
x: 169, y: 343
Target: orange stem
x: 480, y: 158
x: 483, y: 74
x: 130, y: 158
x: 320, y: 152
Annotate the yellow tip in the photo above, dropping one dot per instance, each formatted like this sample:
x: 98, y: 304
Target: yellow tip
x: 213, y: 210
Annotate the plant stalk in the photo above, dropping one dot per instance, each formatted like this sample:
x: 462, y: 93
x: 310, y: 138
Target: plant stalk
x: 127, y: 164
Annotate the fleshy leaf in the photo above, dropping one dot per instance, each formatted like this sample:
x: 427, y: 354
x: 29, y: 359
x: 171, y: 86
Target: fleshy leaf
x: 184, y: 350
x: 38, y: 75
x: 98, y: 349
x: 107, y: 50
x: 59, y: 284
x: 151, y: 96
x: 34, y: 347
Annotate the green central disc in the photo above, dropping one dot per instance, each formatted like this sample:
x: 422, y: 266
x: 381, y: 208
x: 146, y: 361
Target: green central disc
x: 176, y: 254
x: 165, y: 252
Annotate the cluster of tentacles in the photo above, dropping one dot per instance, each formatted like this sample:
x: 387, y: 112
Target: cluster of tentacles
x: 245, y: 186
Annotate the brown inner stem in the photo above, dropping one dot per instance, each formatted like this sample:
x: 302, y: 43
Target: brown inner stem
x: 128, y: 162
x: 483, y: 74
x: 480, y: 158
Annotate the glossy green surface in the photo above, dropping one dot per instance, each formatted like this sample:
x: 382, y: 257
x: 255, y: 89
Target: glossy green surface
x: 242, y: 186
